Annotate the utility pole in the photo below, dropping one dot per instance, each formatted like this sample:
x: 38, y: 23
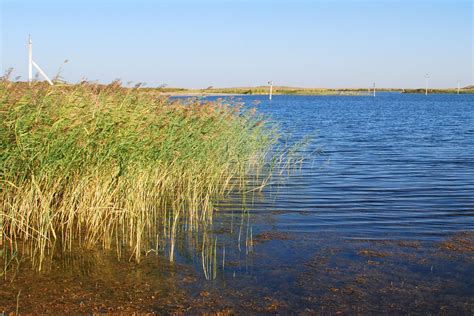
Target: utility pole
x: 31, y: 64
x: 427, y: 77
x: 30, y: 60
x: 271, y: 90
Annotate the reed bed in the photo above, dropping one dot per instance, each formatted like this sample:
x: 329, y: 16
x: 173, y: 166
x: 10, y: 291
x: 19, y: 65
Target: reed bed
x: 106, y: 167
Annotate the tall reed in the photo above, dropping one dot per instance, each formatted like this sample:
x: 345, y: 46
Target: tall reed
x: 100, y: 166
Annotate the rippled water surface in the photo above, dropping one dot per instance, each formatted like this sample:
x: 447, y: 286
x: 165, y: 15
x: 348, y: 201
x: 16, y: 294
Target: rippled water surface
x: 393, y: 166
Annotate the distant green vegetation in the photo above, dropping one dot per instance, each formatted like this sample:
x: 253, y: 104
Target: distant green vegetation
x: 467, y: 90
x: 281, y: 90
x: 262, y: 90
x: 286, y: 90
x: 108, y: 167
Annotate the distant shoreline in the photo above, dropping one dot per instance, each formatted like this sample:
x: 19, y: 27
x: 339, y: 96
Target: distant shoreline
x: 261, y: 90
x: 281, y: 90
x: 277, y: 90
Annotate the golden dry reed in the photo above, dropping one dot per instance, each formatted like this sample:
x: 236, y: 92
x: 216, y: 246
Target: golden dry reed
x: 107, y: 167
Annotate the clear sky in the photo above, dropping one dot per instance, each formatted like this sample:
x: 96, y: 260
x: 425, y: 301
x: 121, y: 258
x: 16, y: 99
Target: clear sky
x: 245, y: 43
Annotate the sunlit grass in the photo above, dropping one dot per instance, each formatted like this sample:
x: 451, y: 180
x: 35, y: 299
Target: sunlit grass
x: 107, y: 167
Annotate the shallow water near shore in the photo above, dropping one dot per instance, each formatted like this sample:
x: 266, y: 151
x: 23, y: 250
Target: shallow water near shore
x: 381, y: 219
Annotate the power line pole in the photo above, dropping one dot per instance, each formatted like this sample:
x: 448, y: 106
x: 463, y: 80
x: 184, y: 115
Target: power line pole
x: 31, y: 64
x: 427, y: 77
x: 30, y: 60
x: 271, y: 90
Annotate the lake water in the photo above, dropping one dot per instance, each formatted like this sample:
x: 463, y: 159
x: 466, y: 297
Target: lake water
x: 393, y: 166
x: 379, y: 221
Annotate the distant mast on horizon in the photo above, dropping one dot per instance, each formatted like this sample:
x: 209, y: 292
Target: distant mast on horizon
x: 427, y: 77
x: 270, y: 83
x: 31, y: 64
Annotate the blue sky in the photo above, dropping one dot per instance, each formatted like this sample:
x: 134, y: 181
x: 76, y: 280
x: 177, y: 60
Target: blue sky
x: 244, y: 43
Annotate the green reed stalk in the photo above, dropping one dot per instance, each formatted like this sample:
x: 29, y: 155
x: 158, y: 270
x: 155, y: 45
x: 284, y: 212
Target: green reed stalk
x: 104, y: 166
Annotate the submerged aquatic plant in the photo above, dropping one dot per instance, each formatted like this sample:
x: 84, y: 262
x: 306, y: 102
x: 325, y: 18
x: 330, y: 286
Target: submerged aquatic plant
x: 105, y: 166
